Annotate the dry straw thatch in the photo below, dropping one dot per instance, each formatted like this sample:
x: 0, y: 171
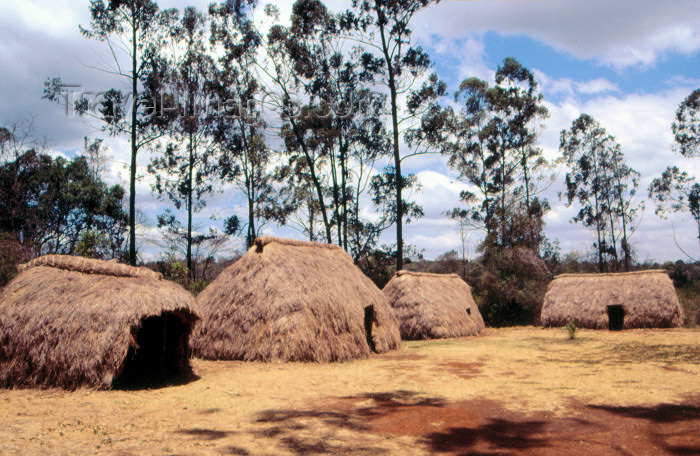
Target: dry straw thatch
x: 433, y: 306
x: 287, y: 300
x: 69, y: 322
x: 646, y: 298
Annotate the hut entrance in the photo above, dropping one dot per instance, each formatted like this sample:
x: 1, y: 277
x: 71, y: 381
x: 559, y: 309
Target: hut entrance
x: 160, y: 355
x: 369, y: 321
x: 616, y: 318
x: 469, y: 311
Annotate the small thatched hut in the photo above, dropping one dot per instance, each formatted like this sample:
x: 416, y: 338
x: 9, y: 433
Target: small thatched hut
x: 433, y: 306
x: 69, y: 322
x: 288, y: 300
x: 642, y: 299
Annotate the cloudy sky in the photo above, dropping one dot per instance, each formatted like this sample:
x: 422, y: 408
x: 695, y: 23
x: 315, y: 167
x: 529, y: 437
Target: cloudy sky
x: 627, y: 63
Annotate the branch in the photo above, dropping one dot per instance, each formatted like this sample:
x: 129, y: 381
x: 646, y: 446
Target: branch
x: 678, y: 245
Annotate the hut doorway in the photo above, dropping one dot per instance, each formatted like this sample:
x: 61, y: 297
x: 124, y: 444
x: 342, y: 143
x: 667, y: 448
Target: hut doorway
x: 160, y: 356
x: 616, y: 318
x: 369, y: 322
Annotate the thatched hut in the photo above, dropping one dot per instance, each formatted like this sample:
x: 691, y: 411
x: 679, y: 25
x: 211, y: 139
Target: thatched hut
x: 642, y: 299
x: 288, y: 300
x: 433, y: 306
x: 69, y: 322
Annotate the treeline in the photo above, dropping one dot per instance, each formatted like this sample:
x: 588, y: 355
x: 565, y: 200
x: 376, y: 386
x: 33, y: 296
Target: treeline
x: 312, y: 120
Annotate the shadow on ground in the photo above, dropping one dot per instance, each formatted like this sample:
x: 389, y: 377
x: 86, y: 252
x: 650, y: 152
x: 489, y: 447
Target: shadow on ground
x: 380, y: 423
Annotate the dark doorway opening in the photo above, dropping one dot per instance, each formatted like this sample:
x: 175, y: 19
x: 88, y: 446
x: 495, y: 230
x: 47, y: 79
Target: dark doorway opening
x: 160, y: 357
x: 469, y: 311
x: 616, y: 318
x: 369, y: 321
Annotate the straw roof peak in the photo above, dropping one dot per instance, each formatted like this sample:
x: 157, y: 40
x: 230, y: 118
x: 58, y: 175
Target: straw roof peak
x: 613, y: 274
x: 263, y: 241
x: 90, y: 266
x: 405, y: 272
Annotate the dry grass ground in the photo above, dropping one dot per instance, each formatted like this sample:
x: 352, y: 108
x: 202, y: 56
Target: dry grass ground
x: 513, y: 391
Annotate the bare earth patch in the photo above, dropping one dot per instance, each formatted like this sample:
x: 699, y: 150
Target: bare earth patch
x: 522, y: 391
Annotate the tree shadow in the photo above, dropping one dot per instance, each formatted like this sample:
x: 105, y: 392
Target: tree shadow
x: 324, y: 430
x: 499, y: 434
x: 205, y: 434
x: 670, y: 423
x: 663, y: 413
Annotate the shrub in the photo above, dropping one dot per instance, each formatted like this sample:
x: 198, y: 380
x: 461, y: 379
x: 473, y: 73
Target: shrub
x: 512, y: 287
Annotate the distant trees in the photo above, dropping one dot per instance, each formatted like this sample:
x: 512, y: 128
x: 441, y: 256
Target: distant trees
x: 604, y: 185
x: 54, y: 205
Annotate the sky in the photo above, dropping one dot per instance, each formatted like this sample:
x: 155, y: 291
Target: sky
x: 627, y: 63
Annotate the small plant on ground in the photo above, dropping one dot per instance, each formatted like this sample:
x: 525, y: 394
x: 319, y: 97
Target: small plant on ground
x: 571, y: 328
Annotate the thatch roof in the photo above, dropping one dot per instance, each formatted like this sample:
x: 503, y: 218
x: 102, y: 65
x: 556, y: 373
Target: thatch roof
x: 69, y: 322
x: 433, y: 306
x: 647, y: 297
x: 287, y: 300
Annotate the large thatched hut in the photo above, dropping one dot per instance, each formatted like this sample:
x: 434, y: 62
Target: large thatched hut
x: 433, y: 306
x: 69, y: 322
x: 288, y: 300
x: 642, y: 299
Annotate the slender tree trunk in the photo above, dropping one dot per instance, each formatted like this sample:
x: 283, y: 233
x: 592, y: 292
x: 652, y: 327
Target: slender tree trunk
x: 250, y: 173
x: 316, y: 182
x: 310, y: 204
x: 190, y: 180
x: 336, y: 197
x: 250, y: 238
x: 395, y: 126
x: 134, y: 148
x: 503, y: 199
x: 598, y: 231
x: 343, y: 170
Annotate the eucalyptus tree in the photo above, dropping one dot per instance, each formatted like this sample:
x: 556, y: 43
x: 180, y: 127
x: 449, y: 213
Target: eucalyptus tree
x: 676, y: 190
x: 686, y: 126
x: 490, y: 140
x: 299, y: 119
x: 184, y: 163
x: 346, y: 125
x: 132, y: 30
x: 246, y: 159
x: 603, y: 184
x: 383, y: 27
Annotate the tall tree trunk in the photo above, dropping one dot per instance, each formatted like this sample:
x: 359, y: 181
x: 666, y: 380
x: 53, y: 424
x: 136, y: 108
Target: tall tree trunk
x: 344, y: 186
x: 598, y: 231
x: 250, y: 237
x: 190, y: 180
x: 310, y: 205
x: 336, y: 197
x: 134, y: 148
x: 395, y: 126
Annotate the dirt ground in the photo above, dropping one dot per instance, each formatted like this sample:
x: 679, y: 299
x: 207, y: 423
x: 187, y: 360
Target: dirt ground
x: 525, y: 391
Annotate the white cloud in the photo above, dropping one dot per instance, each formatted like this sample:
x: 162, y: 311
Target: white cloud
x: 619, y: 33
